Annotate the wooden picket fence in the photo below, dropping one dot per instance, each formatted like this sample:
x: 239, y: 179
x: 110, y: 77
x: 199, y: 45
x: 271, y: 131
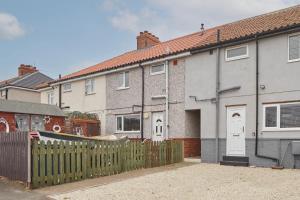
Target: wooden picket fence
x: 63, y: 162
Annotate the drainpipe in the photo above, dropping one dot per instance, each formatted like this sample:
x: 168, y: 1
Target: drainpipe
x: 59, y: 95
x: 217, y: 96
x: 143, y: 102
x: 167, y: 99
x: 6, y: 93
x: 257, y: 106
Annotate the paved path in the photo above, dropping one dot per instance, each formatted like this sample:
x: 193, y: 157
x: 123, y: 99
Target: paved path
x: 13, y: 191
x: 198, y: 181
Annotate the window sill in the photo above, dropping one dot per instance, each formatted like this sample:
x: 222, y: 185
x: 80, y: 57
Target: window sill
x: 157, y: 73
x: 295, y: 60
x: 90, y: 94
x: 67, y: 91
x: 127, y: 132
x: 123, y: 88
x: 282, y: 130
x: 236, y: 58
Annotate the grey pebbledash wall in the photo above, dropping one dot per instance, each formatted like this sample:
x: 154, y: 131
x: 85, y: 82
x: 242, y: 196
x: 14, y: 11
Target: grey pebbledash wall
x: 129, y: 100
x: 282, y: 83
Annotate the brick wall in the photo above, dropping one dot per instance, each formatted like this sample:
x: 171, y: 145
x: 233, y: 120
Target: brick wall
x: 192, y: 146
x: 10, y: 118
x: 55, y: 121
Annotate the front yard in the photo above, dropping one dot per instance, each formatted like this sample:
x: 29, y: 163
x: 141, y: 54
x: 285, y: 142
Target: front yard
x: 195, y: 181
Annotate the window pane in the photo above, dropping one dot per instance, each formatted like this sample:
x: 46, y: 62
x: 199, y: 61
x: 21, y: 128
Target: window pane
x: 271, y: 116
x: 119, y: 123
x: 294, y: 47
x: 126, y: 79
x: 67, y: 87
x: 157, y: 68
x: 132, y: 123
x: 290, y: 116
x: 121, y: 80
x: 236, y: 52
x: 37, y: 123
x: 22, y: 122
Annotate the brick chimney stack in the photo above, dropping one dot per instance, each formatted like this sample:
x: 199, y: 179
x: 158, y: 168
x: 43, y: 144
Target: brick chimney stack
x: 146, y: 39
x: 26, y: 69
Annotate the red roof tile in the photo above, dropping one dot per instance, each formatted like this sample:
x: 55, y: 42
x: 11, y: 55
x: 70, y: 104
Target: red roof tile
x: 239, y: 29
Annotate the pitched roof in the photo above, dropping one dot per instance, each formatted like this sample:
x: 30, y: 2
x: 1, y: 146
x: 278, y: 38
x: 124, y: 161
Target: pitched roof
x: 30, y: 108
x: 30, y: 81
x: 263, y: 23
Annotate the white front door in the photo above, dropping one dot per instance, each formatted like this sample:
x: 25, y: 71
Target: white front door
x: 236, y: 131
x: 157, y: 126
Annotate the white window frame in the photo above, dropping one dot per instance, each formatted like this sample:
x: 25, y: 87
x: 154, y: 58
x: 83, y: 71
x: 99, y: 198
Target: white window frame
x: 67, y: 90
x: 3, y: 93
x: 277, y: 128
x: 160, y: 72
x: 89, y: 83
x: 294, y: 60
x: 236, y: 57
x: 50, y: 98
x: 122, y: 116
x: 123, y: 86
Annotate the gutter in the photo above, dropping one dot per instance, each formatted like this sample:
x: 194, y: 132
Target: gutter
x: 113, y: 70
x: 247, y: 38
x: 257, y: 107
x: 20, y: 88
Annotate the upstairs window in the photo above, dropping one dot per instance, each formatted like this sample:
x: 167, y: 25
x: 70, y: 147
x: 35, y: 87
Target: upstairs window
x: 282, y: 116
x: 50, y: 96
x: 157, y: 69
x: 89, y: 86
x: 236, y: 53
x: 294, y: 48
x: 67, y: 87
x: 123, y: 80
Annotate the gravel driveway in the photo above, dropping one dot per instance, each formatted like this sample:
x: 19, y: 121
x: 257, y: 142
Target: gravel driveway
x: 199, y: 181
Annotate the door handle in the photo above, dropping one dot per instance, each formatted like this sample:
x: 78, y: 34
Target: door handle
x: 243, y: 129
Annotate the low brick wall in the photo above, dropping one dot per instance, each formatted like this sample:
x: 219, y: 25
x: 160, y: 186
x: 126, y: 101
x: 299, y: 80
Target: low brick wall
x: 192, y: 146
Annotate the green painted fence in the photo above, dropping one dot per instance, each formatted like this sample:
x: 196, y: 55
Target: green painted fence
x: 63, y: 162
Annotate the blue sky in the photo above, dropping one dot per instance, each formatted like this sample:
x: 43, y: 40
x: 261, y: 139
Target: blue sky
x: 62, y: 36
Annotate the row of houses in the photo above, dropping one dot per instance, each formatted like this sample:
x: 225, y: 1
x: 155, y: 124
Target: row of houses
x: 231, y: 92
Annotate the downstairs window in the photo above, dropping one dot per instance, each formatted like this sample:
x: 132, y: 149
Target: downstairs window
x: 285, y: 116
x: 128, y: 123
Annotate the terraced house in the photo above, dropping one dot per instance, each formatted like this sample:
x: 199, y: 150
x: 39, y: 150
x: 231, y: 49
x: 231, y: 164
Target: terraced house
x: 231, y: 91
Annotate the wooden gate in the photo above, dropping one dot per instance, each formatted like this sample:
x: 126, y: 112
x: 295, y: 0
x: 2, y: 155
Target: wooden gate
x: 14, y: 148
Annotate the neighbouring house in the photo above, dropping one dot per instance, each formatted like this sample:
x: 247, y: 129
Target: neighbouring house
x: 24, y: 86
x: 231, y: 90
x: 83, y: 94
x: 27, y: 116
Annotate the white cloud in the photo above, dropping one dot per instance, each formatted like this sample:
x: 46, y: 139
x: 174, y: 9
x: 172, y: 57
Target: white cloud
x: 170, y: 18
x: 10, y: 27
